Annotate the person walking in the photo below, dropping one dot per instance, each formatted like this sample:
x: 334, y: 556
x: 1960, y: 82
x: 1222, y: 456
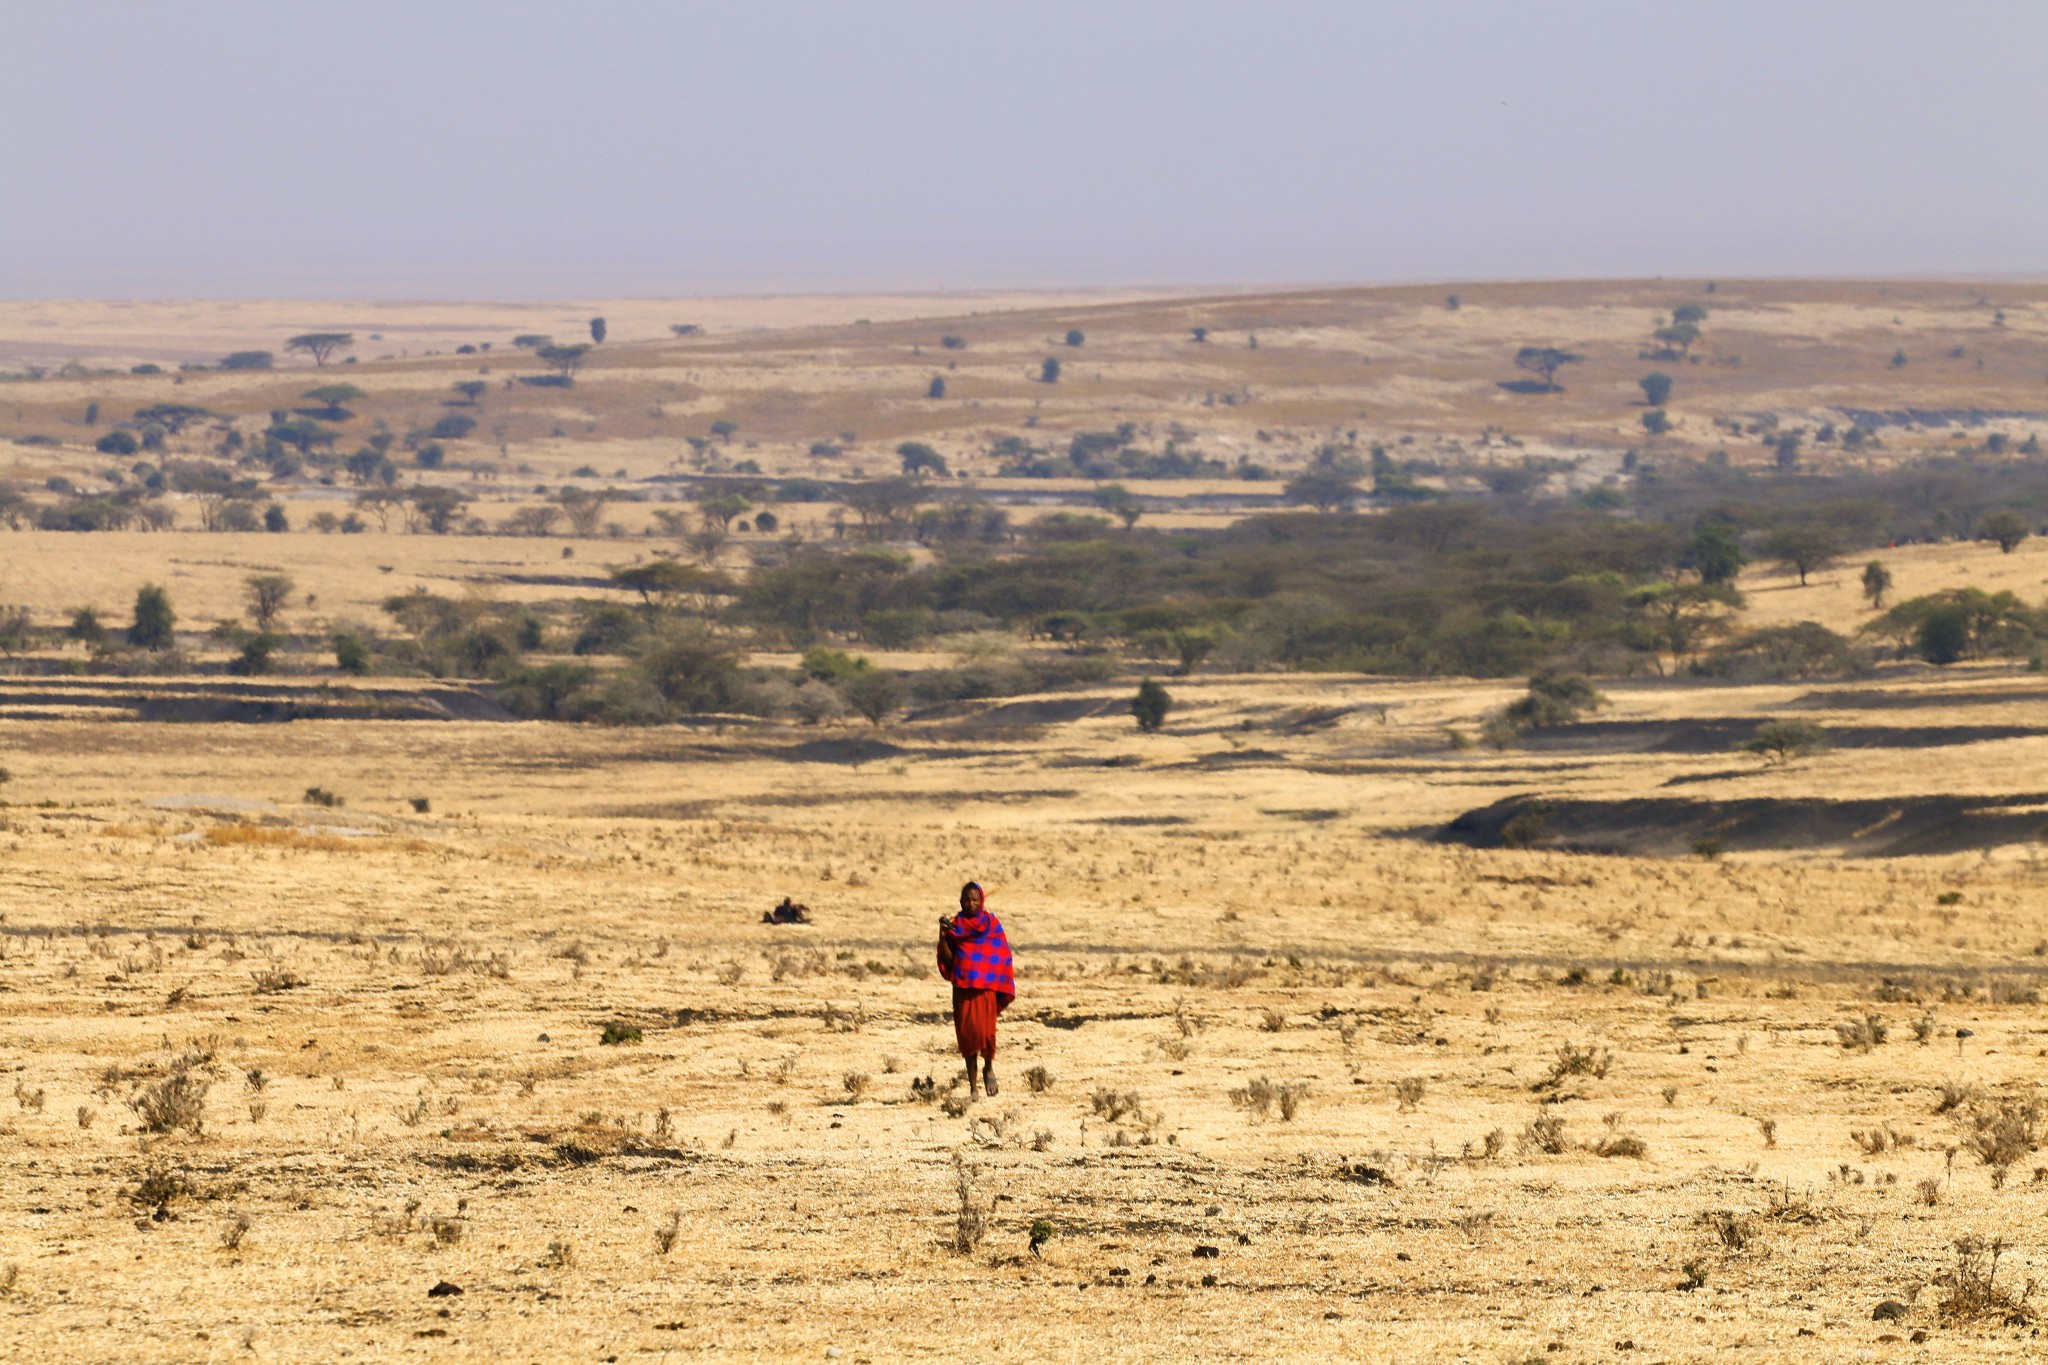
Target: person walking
x: 974, y: 954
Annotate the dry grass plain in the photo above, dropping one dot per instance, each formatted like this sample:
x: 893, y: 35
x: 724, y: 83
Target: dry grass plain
x: 1424, y: 1101
x: 397, y: 1016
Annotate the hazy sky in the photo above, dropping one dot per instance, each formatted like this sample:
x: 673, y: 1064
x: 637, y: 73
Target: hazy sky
x: 429, y: 149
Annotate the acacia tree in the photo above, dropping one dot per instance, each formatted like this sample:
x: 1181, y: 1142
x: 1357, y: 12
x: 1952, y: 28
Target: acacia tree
x: 919, y: 458
x: 268, y: 592
x: 1679, y: 336
x: 566, y: 359
x: 1119, y: 502
x: 1877, y: 581
x: 1656, y: 389
x: 320, y: 345
x: 597, y: 330
x: 584, y: 507
x: 1325, y: 490
x: 331, y: 397
x: 1804, y: 549
x: 1546, y: 361
x: 2005, y: 526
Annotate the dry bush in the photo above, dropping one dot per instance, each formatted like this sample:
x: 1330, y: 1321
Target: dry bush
x: 1924, y: 1027
x: 2006, y: 1132
x: 412, y: 1114
x: 1408, y: 1092
x: 276, y: 981
x: 1617, y: 1143
x: 1544, y: 1134
x: 1733, y: 1230
x: 1573, y: 1060
x: 855, y: 1083
x: 156, y: 1189
x: 1769, y: 1128
x: 837, y: 1020
x: 1622, y: 1144
x: 970, y: 1223
x: 730, y: 973
x: 447, y: 1231
x: 238, y: 1227
x: 28, y: 1099
x: 1272, y: 1021
x: 665, y: 1234
x: 1973, y: 1289
x: 1928, y: 1191
x: 1956, y: 1097
x: 1861, y: 1035
x: 1115, y: 1104
x: 1877, y: 1141
x: 1038, y: 1080
x: 560, y: 1255
x: 1260, y: 1097
x: 1041, y: 1141
x: 177, y: 1101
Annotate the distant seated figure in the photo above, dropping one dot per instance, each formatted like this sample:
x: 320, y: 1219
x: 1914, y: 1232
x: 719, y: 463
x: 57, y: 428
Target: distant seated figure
x: 789, y: 912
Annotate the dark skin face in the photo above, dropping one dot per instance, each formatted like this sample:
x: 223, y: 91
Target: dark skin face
x: 970, y: 900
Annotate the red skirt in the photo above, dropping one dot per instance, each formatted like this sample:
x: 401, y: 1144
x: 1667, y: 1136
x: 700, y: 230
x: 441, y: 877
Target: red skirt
x: 974, y: 1022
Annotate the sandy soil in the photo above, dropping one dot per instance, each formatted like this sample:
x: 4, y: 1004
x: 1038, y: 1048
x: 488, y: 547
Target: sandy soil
x: 397, y: 1017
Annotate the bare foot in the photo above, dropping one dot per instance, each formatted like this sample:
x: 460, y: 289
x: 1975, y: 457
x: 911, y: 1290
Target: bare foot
x: 988, y: 1078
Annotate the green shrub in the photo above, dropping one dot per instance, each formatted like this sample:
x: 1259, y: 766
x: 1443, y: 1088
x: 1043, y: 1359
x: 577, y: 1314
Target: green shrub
x: 1150, y: 705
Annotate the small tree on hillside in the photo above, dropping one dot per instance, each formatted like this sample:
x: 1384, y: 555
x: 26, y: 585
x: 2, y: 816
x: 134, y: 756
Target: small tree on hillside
x: 268, y: 592
x: 566, y: 359
x: 331, y: 397
x: 1656, y: 389
x: 1803, y: 549
x: 875, y: 693
x: 919, y: 458
x: 1117, y: 500
x: 1150, y: 706
x: 1656, y: 421
x: 1075, y: 336
x: 1049, y: 370
x: 470, y: 389
x: 1679, y: 337
x: 1877, y: 581
x: 2005, y: 526
x: 1546, y: 361
x: 597, y: 330
x: 724, y: 430
x: 1323, y: 489
x: 1781, y: 741
x: 154, y: 622
x: 320, y: 345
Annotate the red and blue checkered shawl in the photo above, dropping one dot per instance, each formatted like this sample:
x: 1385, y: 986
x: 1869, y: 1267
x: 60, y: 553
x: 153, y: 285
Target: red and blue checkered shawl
x: 980, y: 956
